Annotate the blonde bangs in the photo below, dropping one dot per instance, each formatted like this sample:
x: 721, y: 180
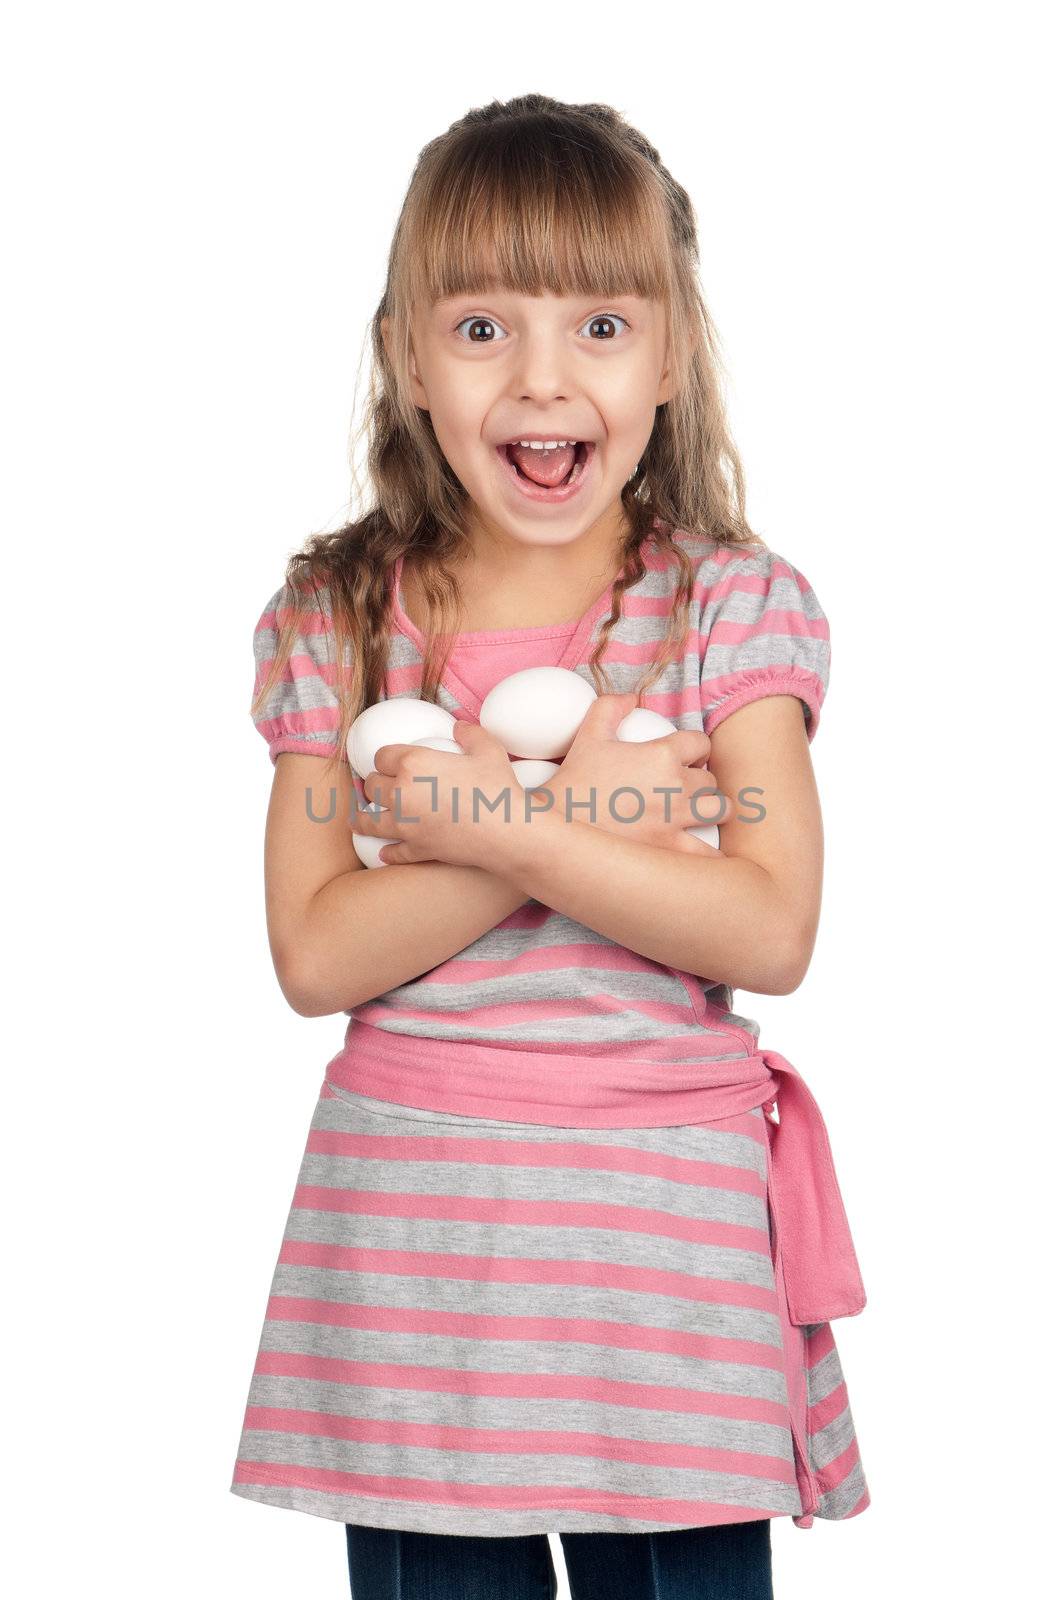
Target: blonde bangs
x: 530, y: 215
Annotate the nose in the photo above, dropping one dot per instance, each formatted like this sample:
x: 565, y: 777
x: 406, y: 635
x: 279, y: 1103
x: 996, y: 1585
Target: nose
x: 542, y: 373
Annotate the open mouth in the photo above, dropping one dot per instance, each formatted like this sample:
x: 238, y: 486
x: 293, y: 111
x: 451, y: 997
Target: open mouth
x: 549, y: 476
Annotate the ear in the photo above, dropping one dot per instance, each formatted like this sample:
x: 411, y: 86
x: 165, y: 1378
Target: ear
x: 418, y: 393
x: 668, y: 384
x: 666, y: 388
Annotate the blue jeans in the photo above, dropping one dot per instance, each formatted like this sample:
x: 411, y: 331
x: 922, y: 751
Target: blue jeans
x: 729, y: 1561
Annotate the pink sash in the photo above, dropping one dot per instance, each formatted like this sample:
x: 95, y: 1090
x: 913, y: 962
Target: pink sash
x: 819, y: 1269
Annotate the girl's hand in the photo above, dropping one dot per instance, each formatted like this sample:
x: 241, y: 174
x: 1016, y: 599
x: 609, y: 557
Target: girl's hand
x: 433, y: 790
x: 598, y: 765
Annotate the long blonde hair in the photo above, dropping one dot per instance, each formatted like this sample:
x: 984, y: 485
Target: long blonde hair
x: 532, y: 196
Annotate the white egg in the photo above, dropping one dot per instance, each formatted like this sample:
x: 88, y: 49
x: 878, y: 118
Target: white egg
x: 399, y: 721
x: 535, y: 713
x: 530, y: 774
x: 367, y: 847
x: 642, y: 724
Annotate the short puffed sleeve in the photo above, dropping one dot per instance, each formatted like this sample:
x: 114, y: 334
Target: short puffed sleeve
x: 301, y: 712
x: 763, y: 632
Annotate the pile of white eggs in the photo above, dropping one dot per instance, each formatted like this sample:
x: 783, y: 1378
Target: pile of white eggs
x: 535, y: 714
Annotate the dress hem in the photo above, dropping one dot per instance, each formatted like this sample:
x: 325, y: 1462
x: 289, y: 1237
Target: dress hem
x: 422, y: 1518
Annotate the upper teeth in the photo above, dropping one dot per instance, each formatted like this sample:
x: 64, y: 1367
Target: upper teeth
x: 544, y: 444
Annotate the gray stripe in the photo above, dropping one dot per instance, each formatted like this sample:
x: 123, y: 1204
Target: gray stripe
x: 565, y: 1357
x: 829, y: 1443
x: 563, y: 1186
x: 601, y: 1027
x: 403, y: 653
x: 840, y: 1501
x: 559, y: 983
x: 518, y: 1413
x: 524, y: 1470
x: 422, y: 1517
x: 554, y: 1301
x: 530, y: 1244
x: 824, y: 1378
x: 692, y: 1141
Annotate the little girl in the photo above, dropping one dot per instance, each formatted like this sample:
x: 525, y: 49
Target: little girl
x: 566, y: 1242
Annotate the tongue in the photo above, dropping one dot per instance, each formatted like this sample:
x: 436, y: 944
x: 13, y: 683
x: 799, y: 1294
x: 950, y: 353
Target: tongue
x: 546, y: 467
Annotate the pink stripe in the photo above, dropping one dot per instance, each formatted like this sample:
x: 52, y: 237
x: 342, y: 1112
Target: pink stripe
x: 673, y: 702
x: 509, y: 1012
x: 301, y: 747
x: 731, y: 582
x: 583, y: 1386
x: 491, y: 1497
x: 518, y: 1442
x: 684, y: 1050
x: 828, y: 1409
x: 547, y: 1330
x: 704, y: 1041
x: 519, y: 1269
x: 313, y: 620
x: 636, y: 654
x: 540, y: 1155
x: 321, y: 719
x: 546, y: 958
x: 297, y: 666
x: 830, y: 1476
x: 761, y: 681
x: 645, y: 605
x: 819, y: 1344
x: 788, y: 623
x: 730, y: 683
x: 532, y: 1213
x: 402, y: 679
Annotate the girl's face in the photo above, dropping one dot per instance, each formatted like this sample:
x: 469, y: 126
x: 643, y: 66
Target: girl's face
x: 498, y: 366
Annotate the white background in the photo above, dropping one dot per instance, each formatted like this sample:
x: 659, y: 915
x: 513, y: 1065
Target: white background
x: 199, y: 201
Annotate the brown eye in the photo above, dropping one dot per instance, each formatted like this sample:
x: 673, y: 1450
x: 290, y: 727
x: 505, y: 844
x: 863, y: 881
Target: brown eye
x: 479, y: 325
x: 602, y: 320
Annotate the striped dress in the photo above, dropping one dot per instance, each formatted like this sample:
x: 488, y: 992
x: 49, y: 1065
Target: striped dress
x: 484, y: 1326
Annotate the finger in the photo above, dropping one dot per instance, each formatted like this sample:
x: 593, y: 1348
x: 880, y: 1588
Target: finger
x: 386, y: 758
x: 707, y: 801
x: 476, y: 740
x: 690, y: 746
x: 367, y: 823
x: 379, y: 820
x: 605, y: 714
x: 474, y: 737
x: 404, y: 852
x: 379, y: 790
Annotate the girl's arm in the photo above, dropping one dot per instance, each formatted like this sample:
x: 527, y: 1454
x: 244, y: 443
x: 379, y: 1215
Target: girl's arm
x: 747, y: 916
x: 339, y: 934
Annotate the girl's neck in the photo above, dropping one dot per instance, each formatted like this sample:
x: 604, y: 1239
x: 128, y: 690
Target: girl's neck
x: 523, y: 586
